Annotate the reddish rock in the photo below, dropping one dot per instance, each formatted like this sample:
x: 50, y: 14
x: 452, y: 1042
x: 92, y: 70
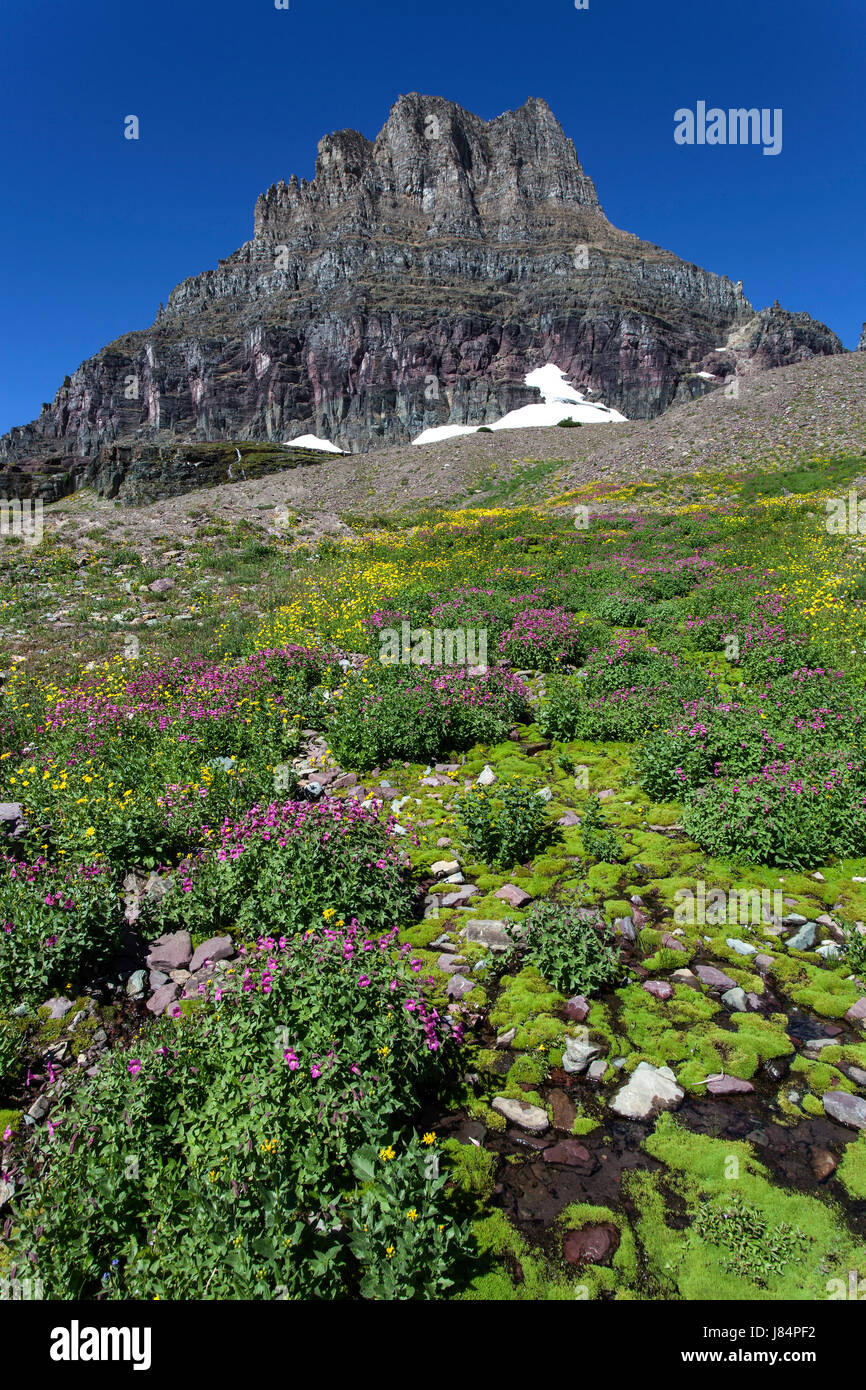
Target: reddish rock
x: 161, y: 998
x: 715, y: 979
x: 673, y: 943
x: 514, y: 896
x: 569, y: 819
x: 577, y: 1008
x: 659, y: 989
x: 567, y: 1151
x: 723, y: 1085
x: 857, y: 1012
x: 564, y: 1112
x: 593, y: 1245
x: 215, y: 948
x: 172, y: 951
x: 763, y: 963
x: 823, y: 1164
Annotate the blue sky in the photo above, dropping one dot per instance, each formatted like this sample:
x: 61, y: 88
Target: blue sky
x: 234, y: 94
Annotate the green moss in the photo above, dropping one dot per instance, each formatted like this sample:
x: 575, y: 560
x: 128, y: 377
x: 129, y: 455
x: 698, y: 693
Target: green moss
x: 9, y: 1119
x: 509, y: 1270
x: 471, y: 1167
x: 707, y: 1175
x: 529, y: 1067
x: 526, y: 1002
x: 812, y: 1105
x: 852, y: 1169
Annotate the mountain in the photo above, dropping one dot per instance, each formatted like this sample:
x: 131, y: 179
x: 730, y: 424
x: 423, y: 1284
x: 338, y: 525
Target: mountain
x: 414, y: 282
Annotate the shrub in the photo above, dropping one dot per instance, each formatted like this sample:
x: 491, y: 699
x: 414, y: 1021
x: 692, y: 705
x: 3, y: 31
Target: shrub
x: 571, y: 946
x: 505, y: 824
x: 282, y: 865
x: 214, y: 1158
x: 600, y: 842
x: 543, y: 639
x: 56, y: 928
x: 391, y: 713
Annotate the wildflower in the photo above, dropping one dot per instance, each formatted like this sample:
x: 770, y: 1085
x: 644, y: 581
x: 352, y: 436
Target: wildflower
x: 412, y: 1214
x: 387, y: 1153
x: 389, y: 1251
x: 134, y: 1067
x: 428, y: 1138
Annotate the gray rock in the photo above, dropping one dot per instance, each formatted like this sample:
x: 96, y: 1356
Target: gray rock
x: 804, y: 939
x: 443, y: 867
x: 519, y: 1112
x: 507, y: 1038
x: 625, y: 926
x: 578, y: 1054
x: 488, y: 932
x: 847, y: 1109
x: 157, y: 978
x: 544, y: 794
x: 39, y: 1109
x: 829, y: 950
x: 596, y: 1071
x: 742, y: 948
x: 647, y: 1091
x: 450, y: 964
x: 722, y: 1085
x: 458, y: 985
x: 136, y: 984
x: 857, y: 1075
x: 486, y: 777
x: 59, y: 1006
x: 735, y: 1000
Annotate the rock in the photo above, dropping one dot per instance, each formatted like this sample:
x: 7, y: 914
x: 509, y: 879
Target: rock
x: 519, y: 1112
x: 507, y: 1038
x: 514, y: 896
x: 847, y: 1109
x: 763, y: 963
x: 460, y: 898
x: 161, y: 586
x: 578, y: 1054
x: 449, y: 964
x: 443, y: 867
x: 7, y: 1191
x: 488, y: 932
x: 857, y: 1012
x: 659, y: 989
x: 742, y: 948
x: 815, y: 1046
x: 596, y: 1071
x: 569, y: 818
x: 157, y: 978
x: 754, y: 1001
x: 39, y: 1109
x: 648, y: 1090
x: 671, y: 942
x: 544, y: 794
x: 593, y: 1245
x: 170, y: 952
x: 486, y: 777
x: 564, y: 1112
x: 454, y: 878
x: 137, y: 983
x: 443, y: 842
x: 804, y: 939
x: 829, y: 950
x: 567, y: 1151
x: 857, y: 1075
x: 179, y: 977
x: 624, y: 926
x: 162, y: 997
x: 722, y: 1085
x: 215, y: 948
x: 794, y: 919
x: 457, y: 986
x: 713, y: 978
x: 735, y: 1000
x: 59, y: 1007
x: 577, y: 1009
x: 823, y: 1164
x: 777, y: 1068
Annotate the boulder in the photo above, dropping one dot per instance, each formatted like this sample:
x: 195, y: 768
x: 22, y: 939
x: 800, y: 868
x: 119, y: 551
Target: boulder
x: 648, y: 1090
x: 171, y: 951
x: 215, y: 948
x: 519, y: 1112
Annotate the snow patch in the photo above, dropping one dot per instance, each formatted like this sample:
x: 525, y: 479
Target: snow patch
x: 311, y: 441
x: 560, y: 401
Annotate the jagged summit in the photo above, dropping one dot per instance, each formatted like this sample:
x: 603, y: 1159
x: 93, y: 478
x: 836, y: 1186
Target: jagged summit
x: 432, y: 158
x: 414, y: 282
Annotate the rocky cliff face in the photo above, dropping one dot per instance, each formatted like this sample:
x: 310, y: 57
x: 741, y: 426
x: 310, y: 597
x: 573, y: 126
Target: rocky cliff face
x: 413, y: 283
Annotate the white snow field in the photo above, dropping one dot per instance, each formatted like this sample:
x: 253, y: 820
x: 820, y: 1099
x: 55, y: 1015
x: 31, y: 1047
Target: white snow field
x: 560, y: 401
x: 311, y: 441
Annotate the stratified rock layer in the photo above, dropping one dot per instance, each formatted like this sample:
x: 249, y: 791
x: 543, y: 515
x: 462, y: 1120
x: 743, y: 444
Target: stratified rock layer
x: 414, y: 282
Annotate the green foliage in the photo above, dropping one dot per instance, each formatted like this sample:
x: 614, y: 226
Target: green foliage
x: 600, y: 843
x: 570, y: 946
x: 505, y: 824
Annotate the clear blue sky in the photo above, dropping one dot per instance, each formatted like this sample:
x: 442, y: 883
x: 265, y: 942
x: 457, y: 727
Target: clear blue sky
x: 234, y: 94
